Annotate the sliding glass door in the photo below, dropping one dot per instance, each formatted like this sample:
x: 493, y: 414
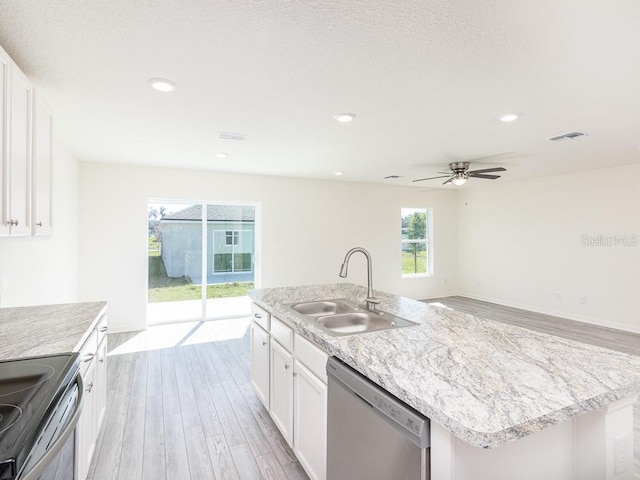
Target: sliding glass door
x: 201, y: 260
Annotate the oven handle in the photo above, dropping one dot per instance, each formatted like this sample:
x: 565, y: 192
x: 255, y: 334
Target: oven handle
x: 43, y: 463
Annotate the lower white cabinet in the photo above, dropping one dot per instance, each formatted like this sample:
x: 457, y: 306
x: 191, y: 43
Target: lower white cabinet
x: 93, y: 368
x: 281, y: 391
x: 310, y: 421
x: 288, y: 374
x: 260, y: 346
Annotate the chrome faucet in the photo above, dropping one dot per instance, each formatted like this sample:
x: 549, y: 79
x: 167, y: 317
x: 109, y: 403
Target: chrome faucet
x: 370, y: 301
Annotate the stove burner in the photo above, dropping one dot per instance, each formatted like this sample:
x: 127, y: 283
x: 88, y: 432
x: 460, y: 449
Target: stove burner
x: 17, y: 378
x: 9, y: 415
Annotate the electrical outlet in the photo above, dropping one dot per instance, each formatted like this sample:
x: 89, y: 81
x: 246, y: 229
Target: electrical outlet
x: 621, y: 453
x: 583, y: 300
x: 558, y: 297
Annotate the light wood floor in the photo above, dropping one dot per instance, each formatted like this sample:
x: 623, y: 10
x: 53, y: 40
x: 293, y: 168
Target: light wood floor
x: 561, y: 327
x: 180, y: 406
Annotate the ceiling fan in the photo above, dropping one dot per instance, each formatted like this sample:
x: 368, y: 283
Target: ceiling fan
x: 460, y: 173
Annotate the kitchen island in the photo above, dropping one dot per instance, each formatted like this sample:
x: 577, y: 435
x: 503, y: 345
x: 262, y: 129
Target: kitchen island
x: 540, y: 405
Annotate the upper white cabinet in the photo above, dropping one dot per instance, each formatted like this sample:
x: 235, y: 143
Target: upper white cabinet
x: 25, y: 155
x: 42, y: 161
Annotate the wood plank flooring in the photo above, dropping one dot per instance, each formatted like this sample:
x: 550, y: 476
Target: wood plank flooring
x: 561, y: 327
x: 180, y: 406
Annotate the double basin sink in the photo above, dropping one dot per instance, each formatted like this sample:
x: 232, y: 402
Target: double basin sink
x: 344, y: 317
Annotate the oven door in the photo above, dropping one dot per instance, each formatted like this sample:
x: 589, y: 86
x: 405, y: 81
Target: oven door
x: 53, y: 457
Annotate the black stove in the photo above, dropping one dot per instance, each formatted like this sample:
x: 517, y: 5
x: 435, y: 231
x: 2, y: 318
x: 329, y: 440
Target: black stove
x: 30, y: 389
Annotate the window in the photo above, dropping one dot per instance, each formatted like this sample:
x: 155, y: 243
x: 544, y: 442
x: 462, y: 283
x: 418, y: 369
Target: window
x: 416, y: 242
x: 232, y: 237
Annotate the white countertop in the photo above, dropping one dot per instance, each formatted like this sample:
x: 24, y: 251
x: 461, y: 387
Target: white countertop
x: 487, y: 382
x: 46, y: 329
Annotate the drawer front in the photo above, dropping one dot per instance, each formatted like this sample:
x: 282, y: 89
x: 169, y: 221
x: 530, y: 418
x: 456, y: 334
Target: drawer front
x: 101, y: 328
x: 282, y: 334
x: 260, y: 316
x: 312, y: 357
x: 88, y: 352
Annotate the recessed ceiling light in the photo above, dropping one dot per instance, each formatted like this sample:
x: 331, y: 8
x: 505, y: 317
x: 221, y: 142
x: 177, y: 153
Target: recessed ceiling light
x: 345, y: 117
x: 509, y: 117
x: 162, y: 84
x: 222, y: 155
x: 339, y: 173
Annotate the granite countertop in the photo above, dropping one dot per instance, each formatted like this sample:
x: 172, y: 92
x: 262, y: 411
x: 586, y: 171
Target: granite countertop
x: 487, y: 382
x: 46, y: 329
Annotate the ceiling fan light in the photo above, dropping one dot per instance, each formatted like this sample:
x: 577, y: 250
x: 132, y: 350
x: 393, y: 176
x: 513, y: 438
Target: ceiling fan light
x: 459, y: 180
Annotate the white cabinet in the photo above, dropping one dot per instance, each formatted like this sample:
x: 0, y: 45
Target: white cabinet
x: 5, y: 66
x: 294, y: 388
x: 310, y: 422
x: 93, y: 368
x: 42, y: 165
x: 16, y: 168
x: 281, y: 391
x: 260, y: 346
x: 85, y: 444
x: 25, y: 155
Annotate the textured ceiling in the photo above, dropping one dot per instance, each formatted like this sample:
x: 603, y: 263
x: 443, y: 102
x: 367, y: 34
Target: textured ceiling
x: 425, y: 78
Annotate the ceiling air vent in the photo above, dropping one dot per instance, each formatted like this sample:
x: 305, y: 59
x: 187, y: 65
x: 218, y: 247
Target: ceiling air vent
x: 237, y: 137
x: 568, y: 136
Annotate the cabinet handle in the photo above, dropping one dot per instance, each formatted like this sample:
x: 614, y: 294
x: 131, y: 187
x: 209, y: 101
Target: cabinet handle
x: 13, y: 223
x: 102, y: 360
x: 39, y: 224
x: 257, y: 315
x: 88, y: 357
x: 89, y: 387
x: 264, y: 343
x: 295, y: 374
x: 103, y: 329
x: 286, y: 366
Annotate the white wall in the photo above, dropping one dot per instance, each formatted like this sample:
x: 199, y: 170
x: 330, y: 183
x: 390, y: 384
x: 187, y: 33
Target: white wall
x: 308, y: 226
x: 520, y: 244
x: 44, y: 270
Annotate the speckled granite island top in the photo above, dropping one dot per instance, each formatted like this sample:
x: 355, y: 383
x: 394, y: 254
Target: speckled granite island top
x: 487, y: 382
x: 46, y: 329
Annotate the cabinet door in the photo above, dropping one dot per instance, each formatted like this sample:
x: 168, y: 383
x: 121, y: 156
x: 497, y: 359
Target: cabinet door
x: 100, y: 386
x: 282, y: 390
x: 260, y: 363
x: 42, y: 167
x: 20, y: 153
x: 310, y: 420
x: 85, y: 439
x: 5, y: 63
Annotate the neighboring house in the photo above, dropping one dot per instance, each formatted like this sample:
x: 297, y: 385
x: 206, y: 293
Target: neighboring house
x: 230, y: 243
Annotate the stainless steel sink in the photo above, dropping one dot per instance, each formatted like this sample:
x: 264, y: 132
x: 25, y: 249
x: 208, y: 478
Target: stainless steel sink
x: 327, y: 307
x: 343, y: 317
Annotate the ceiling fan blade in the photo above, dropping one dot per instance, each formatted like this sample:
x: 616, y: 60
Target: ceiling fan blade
x: 487, y: 170
x: 445, y: 173
x: 448, y: 181
x: 482, y: 175
x: 431, y: 178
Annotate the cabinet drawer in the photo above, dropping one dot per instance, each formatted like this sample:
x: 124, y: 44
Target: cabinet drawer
x: 312, y: 357
x: 88, y: 352
x: 260, y: 316
x: 282, y: 334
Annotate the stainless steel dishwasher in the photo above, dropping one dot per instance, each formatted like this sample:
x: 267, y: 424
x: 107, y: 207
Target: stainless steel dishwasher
x: 371, y: 434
